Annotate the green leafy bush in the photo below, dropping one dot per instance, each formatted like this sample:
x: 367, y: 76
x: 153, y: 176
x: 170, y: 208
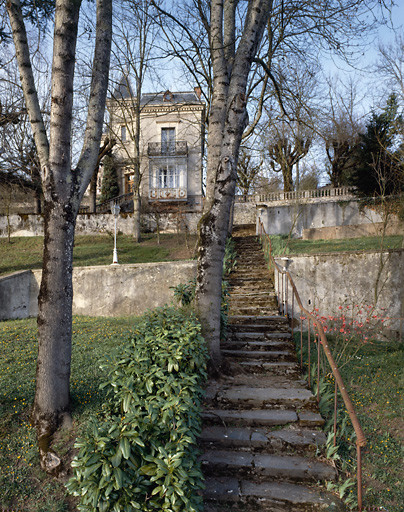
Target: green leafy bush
x: 141, y: 454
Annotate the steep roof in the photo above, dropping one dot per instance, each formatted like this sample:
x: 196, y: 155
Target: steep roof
x: 168, y: 97
x: 123, y: 90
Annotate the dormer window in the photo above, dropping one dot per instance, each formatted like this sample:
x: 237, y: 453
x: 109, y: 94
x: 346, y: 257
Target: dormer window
x: 168, y: 96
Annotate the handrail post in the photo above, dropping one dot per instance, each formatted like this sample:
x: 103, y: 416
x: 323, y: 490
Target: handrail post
x: 359, y: 474
x: 286, y: 296
x: 318, y: 369
x: 335, y: 411
x: 301, y: 341
x: 309, y: 351
x: 293, y: 308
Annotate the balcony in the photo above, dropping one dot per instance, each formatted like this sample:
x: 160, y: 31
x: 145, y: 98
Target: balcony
x: 168, y: 194
x: 177, y: 148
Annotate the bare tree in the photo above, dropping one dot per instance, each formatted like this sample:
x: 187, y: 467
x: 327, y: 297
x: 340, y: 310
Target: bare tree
x: 132, y: 63
x: 340, y: 130
x: 288, y: 146
x: 390, y: 65
x: 63, y: 189
x: 248, y: 172
x: 222, y: 44
x: 18, y: 155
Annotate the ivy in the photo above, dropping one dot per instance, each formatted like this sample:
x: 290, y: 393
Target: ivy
x: 140, y: 453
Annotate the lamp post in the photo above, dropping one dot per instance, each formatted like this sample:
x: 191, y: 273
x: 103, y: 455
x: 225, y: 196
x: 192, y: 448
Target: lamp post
x: 115, y: 209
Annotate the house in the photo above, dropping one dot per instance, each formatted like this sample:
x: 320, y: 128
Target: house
x: 171, y: 144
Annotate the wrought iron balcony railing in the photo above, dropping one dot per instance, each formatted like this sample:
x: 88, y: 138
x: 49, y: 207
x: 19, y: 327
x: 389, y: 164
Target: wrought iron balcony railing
x: 177, y: 148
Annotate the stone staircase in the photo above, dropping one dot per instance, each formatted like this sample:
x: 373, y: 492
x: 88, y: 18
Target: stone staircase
x: 262, y: 429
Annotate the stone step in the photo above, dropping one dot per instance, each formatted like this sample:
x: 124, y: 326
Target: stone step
x: 247, y: 344
x: 262, y: 417
x: 270, y: 367
x: 263, y: 440
x: 253, y: 310
x: 253, y: 294
x: 266, y: 331
x: 257, y: 320
x: 247, y: 397
x: 265, y: 466
x: 253, y: 279
x: 229, y: 493
x: 259, y: 300
x: 261, y: 355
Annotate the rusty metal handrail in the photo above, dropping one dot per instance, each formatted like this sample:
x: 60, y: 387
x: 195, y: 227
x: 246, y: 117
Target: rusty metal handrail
x: 339, y: 383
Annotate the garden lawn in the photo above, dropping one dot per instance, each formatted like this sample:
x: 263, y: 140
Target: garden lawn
x: 281, y: 244
x: 23, y: 486
x: 375, y: 381
x: 25, y: 253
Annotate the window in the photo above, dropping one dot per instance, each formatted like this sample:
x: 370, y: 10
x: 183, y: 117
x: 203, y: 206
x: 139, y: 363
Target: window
x: 168, y: 140
x: 129, y: 180
x: 168, y: 176
x: 123, y: 133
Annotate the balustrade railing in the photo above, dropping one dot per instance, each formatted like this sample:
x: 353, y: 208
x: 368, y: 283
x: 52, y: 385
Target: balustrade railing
x: 296, y: 195
x: 284, y: 282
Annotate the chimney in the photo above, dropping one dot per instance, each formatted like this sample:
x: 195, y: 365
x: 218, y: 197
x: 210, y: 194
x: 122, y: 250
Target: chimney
x: 198, y: 92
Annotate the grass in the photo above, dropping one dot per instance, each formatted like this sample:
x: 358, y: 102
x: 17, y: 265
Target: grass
x: 23, y: 486
x: 281, y: 245
x: 374, y: 379
x: 24, y: 253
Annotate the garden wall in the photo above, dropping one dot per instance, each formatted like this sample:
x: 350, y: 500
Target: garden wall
x: 297, y: 217
x: 120, y: 290
x: 99, y: 223
x: 328, y: 281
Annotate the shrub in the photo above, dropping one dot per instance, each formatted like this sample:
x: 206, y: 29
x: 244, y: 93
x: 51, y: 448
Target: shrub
x: 140, y: 453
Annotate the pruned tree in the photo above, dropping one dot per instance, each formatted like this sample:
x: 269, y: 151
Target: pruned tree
x: 63, y: 189
x: 291, y: 116
x: 286, y: 150
x: 248, y: 172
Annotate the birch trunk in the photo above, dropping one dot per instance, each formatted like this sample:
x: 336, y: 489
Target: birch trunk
x: 63, y: 190
x: 227, y: 120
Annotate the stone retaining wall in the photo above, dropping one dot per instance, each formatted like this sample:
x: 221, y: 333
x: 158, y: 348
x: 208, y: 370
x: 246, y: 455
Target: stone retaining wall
x: 298, y: 216
x: 328, y: 281
x: 106, y: 290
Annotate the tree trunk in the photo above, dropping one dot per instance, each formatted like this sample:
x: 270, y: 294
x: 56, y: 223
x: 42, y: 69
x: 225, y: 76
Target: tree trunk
x: 93, y: 191
x: 287, y: 179
x: 63, y: 190
x: 52, y: 403
x: 136, y: 216
x: 213, y: 231
x: 227, y: 120
x: 38, y: 204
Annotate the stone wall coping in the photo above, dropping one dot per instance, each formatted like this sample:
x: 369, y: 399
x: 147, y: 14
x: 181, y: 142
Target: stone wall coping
x: 341, y: 253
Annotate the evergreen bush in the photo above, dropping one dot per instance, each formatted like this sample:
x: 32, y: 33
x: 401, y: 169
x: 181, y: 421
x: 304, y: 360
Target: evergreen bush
x: 140, y: 453
x: 110, y: 184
